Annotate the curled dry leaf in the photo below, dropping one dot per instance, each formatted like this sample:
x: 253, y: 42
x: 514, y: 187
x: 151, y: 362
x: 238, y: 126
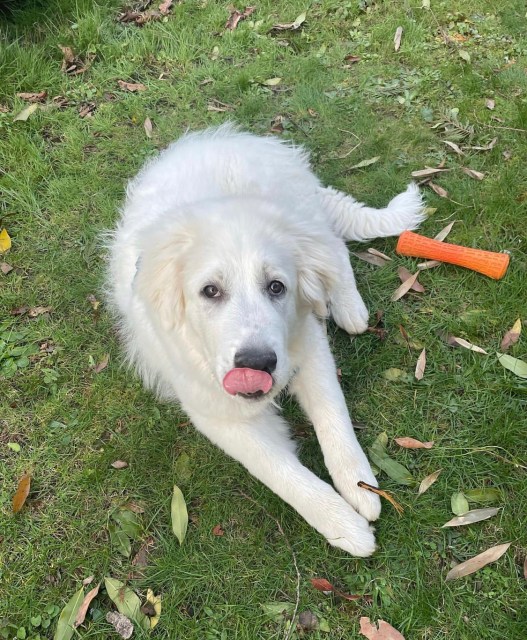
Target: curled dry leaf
x: 512, y: 336
x: 220, y: 107
x: 22, y: 492
x: 420, y: 372
x: 428, y: 172
x: 454, y: 147
x: 147, y: 124
x: 470, y: 517
x: 119, y: 464
x: 321, y: 584
x: 384, y: 631
x: 73, y: 65
x: 5, y: 268
x: 429, y: 264
x: 371, y: 259
x: 164, y: 7
x: 454, y: 341
x: 404, y: 275
x: 33, y: 312
x: 477, y: 175
x: 405, y: 287
x: 131, y: 86
x: 412, y: 443
x: 478, y: 562
x: 486, y: 147
x: 443, y: 193
x: 102, y: 364
x: 83, y: 609
x: 218, y: 531
x: 290, y: 26
x: 236, y: 16
x: 33, y: 97
x: 384, y: 494
x: 397, y: 38
x: 427, y: 482
x: 490, y: 104
x: 87, y: 581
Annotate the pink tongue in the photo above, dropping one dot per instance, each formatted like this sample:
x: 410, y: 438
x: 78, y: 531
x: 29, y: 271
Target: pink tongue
x: 247, y: 381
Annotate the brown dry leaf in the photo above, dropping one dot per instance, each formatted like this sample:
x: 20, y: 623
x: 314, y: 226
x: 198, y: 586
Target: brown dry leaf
x: 411, y: 443
x: 277, y: 124
x: 218, y: 531
x: 371, y: 259
x: 477, y: 175
x: 73, y: 65
x: 290, y: 26
x: 384, y: 632
x: 352, y: 59
x: 216, y: 105
x: 33, y: 97
x: 405, y: 287
x: 525, y: 568
x: 512, y: 336
x: 87, y: 109
x: 444, y: 232
x: 131, y: 86
x: 442, y: 193
x: 454, y: 147
x: 5, y: 268
x: 119, y: 464
x: 507, y: 155
x: 33, y: 312
x: 102, y: 364
x: 490, y: 104
x: 427, y: 482
x: 460, y: 342
x: 470, y: 517
x: 429, y: 264
x: 236, y: 16
x: 374, y: 252
x: 19, y: 311
x: 428, y: 172
x: 83, y: 610
x: 420, y: 372
x: 164, y: 7
x: 22, y: 492
x: 404, y: 275
x: 397, y: 38
x: 140, y: 560
x: 478, y: 562
x: 147, y: 124
x: 487, y: 147
x: 321, y: 584
x: 384, y: 494
x: 87, y: 581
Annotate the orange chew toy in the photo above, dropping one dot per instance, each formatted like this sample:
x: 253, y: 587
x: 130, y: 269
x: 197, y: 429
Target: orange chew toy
x: 489, y: 263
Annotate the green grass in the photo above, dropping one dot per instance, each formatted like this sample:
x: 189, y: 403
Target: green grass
x: 62, y: 179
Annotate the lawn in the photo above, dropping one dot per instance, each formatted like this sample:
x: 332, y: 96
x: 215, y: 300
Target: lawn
x: 336, y: 85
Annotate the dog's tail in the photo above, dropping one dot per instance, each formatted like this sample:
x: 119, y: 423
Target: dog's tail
x: 352, y: 220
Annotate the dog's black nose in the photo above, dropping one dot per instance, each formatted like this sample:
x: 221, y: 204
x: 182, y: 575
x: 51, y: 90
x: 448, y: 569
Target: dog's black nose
x: 255, y: 359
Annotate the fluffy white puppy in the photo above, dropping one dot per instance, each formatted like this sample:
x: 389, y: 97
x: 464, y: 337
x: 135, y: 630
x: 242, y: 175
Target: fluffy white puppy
x: 228, y: 251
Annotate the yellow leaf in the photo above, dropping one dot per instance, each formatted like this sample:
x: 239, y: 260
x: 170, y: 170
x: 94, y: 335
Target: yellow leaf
x: 155, y: 601
x: 5, y: 241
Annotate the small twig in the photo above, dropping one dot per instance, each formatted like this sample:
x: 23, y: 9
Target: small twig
x: 298, y: 578
x: 495, y: 126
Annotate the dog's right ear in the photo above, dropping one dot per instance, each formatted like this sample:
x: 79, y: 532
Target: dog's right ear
x: 158, y: 281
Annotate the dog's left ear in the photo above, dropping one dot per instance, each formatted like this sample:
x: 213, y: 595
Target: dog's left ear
x: 317, y: 269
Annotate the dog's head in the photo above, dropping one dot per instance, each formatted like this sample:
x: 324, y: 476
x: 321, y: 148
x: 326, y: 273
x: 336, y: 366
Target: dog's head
x: 237, y: 278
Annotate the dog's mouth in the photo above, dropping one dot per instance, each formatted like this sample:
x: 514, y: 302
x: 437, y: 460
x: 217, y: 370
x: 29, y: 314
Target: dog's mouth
x: 248, y: 383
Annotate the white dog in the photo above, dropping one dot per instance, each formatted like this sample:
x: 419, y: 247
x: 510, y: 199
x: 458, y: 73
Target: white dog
x: 228, y: 251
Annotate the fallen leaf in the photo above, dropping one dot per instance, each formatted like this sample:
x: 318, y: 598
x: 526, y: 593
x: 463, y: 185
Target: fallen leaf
x: 352, y: 59
x: 140, y: 560
x: 119, y: 464
x: 371, y: 259
x: 427, y: 482
x: 130, y: 86
x: 460, y: 342
x: 155, y: 601
x: 444, y: 232
x: 517, y: 366
x: 404, y: 275
x: 164, y: 7
x: 321, y: 584
x: 442, y: 193
x: 379, y: 254
x: 33, y: 312
x: 83, y: 609
x: 22, y: 492
x: 507, y: 155
x: 19, y: 311
x: 120, y: 540
x: 33, y: 97
x: 307, y: 621
x: 512, y: 336
x: 405, y: 287
x: 25, y: 113
x: 464, y: 55
x: 365, y: 163
x: 459, y: 504
x: 393, y: 373
x: 290, y: 26
x: 66, y: 622
x: 147, y: 124
x: 14, y: 446
x: 385, y: 631
x: 129, y: 522
x: 478, y: 562
x: 5, y: 268
x: 397, y: 38
x: 121, y: 624
x: 487, y: 147
x: 277, y: 611
x: 5, y: 241
x: 218, y: 531
x: 470, y: 517
x: 490, y: 104
x: 236, y: 16
x: 477, y: 175
x: 486, y: 495
x: 87, y: 109
x: 220, y: 107
x: 87, y: 581
x: 126, y: 602
x: 93, y: 301
x: 419, y: 373
x: 379, y: 457
x: 272, y: 82
x: 179, y: 514
x: 384, y: 494
x: 71, y: 64
x: 525, y: 568
x: 428, y: 172
x: 102, y: 364
x: 429, y: 264
x: 454, y: 147
x: 412, y: 443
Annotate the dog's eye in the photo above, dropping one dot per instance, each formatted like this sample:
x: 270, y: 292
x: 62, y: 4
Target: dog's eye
x: 276, y: 288
x: 211, y: 291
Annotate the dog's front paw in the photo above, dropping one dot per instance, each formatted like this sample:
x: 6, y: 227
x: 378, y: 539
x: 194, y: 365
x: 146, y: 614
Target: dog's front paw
x: 345, y: 529
x: 350, y: 314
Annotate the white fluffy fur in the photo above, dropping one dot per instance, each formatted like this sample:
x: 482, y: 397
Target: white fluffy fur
x: 237, y: 210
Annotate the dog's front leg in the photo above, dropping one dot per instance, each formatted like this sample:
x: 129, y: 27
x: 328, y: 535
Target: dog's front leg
x: 263, y: 446
x: 318, y: 391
